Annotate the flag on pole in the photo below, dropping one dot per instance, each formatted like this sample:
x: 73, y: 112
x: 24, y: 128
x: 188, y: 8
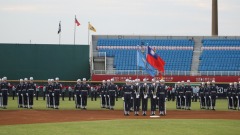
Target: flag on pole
x: 90, y: 27
x: 154, y: 60
x: 59, y: 28
x: 141, y: 62
x: 77, y: 22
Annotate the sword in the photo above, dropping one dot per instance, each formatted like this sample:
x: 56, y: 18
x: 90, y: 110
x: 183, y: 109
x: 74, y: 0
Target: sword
x: 53, y: 100
x: 165, y: 108
x: 180, y: 101
x: 46, y: 100
x: 81, y: 101
x: 28, y: 101
x: 232, y: 102
x: 185, y: 102
x: 238, y: 102
x: 18, y: 101
x: 75, y: 101
x: 205, y: 102
x: 200, y: 102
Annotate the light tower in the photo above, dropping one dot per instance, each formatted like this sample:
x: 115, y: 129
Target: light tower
x: 214, y: 18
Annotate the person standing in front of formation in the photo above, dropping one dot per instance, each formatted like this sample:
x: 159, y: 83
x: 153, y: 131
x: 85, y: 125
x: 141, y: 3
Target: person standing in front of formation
x: 188, y: 95
x: 144, y: 95
x: 19, y: 93
x: 103, y: 90
x: 153, y: 96
x: 84, y: 93
x: 4, y: 87
x: 112, y: 91
x: 213, y: 95
x: 173, y: 94
x: 136, y: 97
x: 234, y: 96
x: 31, y: 88
x: 77, y: 92
x: 57, y: 88
x: 207, y: 95
x: 202, y: 95
x: 126, y: 96
x: 169, y: 91
x: 93, y: 93
x: 24, y: 93
x: 161, y: 96
x: 229, y: 96
x: 177, y: 90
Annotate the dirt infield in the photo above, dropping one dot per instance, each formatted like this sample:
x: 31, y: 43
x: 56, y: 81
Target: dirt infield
x: 50, y: 116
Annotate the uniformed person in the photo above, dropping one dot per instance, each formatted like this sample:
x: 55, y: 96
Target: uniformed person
x: 103, y: 90
x: 112, y: 90
x: 19, y: 93
x: 161, y: 96
x: 177, y: 90
x: 37, y: 92
x: 188, y: 93
x: 234, y: 95
x: 126, y: 96
x: 144, y: 95
x: 4, y: 87
x: 107, y: 95
x: 24, y: 93
x: 84, y: 93
x: 207, y: 96
x: 153, y: 96
x: 63, y: 94
x: 57, y: 88
x: 50, y: 93
x: 213, y: 95
x: 31, y: 88
x: 229, y: 96
x: 202, y: 95
x: 136, y: 97
x: 77, y: 93
x: 181, y: 95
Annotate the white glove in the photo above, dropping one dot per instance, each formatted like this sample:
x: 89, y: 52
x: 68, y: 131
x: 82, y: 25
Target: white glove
x: 209, y: 96
x: 33, y: 94
x: 107, y: 95
x: 165, y: 99
x: 60, y: 94
x: 52, y: 94
x: 237, y: 97
x: 80, y: 96
x: 74, y: 95
x: 184, y: 96
x: 17, y: 94
x: 131, y: 97
x: 231, y: 97
x: 100, y: 95
x: 123, y: 98
x: 104, y: 95
x: 21, y: 94
x: 27, y: 94
x: 8, y: 94
x: 0, y: 94
x: 216, y: 96
x: 192, y: 96
x: 157, y: 97
x: 227, y: 97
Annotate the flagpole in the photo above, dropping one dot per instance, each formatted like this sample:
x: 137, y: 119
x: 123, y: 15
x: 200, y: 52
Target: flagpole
x: 88, y: 32
x: 74, y: 29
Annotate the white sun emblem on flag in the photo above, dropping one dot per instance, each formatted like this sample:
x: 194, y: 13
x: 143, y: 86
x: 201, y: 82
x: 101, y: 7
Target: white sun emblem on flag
x: 152, y: 52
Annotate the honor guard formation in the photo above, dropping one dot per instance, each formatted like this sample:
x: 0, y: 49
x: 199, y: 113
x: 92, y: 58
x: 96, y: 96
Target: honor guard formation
x: 135, y: 94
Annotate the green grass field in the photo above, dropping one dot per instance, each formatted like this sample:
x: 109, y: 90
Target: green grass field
x: 95, y: 105
x: 127, y: 127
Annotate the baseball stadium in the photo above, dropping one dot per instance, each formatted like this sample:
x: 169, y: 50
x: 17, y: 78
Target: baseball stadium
x: 120, y: 83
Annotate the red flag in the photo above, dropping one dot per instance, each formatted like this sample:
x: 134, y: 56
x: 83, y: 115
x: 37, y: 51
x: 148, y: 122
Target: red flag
x: 154, y: 60
x: 76, y: 21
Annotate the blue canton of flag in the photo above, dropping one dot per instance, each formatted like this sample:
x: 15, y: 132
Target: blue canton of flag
x: 141, y: 62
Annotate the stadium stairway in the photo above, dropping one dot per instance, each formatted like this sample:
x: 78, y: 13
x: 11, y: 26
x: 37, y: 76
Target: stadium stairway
x: 196, y: 54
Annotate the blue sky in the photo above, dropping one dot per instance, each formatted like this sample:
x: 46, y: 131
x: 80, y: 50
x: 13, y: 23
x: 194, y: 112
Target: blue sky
x: 37, y: 20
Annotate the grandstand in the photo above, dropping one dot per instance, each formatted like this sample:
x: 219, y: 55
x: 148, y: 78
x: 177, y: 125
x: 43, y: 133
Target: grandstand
x: 183, y: 55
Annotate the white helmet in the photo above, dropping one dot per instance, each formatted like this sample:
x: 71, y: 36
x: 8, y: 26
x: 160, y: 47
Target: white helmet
x: 235, y: 83
x: 21, y: 80
x: 182, y: 82
x: 52, y: 80
x: 49, y: 80
x: 4, y: 78
x: 84, y: 79
x: 31, y: 78
x: 153, y: 80
x: 144, y: 79
x: 157, y: 81
x: 162, y: 81
x: 78, y: 80
x: 188, y: 81
x: 178, y: 82
x: 108, y: 80
x: 230, y: 84
x: 25, y: 79
x: 213, y: 81
x: 103, y: 81
x: 127, y: 80
x: 112, y: 80
x: 57, y: 79
x: 208, y: 82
